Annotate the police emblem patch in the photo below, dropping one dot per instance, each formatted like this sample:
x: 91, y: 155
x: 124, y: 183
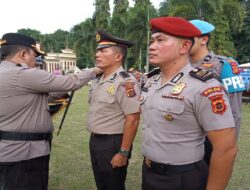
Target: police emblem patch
x: 129, y: 87
x: 178, y: 88
x: 218, y: 104
x: 234, y: 66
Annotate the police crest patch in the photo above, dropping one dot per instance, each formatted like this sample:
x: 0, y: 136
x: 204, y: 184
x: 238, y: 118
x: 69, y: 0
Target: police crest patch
x: 218, y: 104
x: 129, y: 87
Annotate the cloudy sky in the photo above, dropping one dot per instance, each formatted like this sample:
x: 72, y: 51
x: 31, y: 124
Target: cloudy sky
x: 45, y: 16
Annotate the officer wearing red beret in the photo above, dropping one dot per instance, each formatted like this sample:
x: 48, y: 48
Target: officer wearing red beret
x: 178, y: 104
x: 25, y: 122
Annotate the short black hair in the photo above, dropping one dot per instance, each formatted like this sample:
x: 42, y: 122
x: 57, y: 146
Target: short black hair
x: 8, y: 51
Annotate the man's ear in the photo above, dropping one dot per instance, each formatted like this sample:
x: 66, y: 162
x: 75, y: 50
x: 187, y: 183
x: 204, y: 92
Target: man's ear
x: 22, y: 54
x: 118, y: 57
x: 185, y: 46
x: 204, y: 40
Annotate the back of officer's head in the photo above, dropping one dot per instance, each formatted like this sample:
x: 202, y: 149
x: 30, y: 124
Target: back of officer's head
x: 12, y: 43
x: 205, y: 27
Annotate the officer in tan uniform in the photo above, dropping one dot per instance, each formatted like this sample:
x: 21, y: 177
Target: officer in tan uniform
x: 180, y: 106
x: 202, y: 57
x: 25, y: 122
x: 113, y: 115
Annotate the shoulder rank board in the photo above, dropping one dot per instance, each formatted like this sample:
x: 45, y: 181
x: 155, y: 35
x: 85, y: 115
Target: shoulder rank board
x: 203, y: 75
x: 124, y: 74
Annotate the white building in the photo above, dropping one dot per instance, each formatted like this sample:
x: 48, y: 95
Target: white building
x: 62, y: 61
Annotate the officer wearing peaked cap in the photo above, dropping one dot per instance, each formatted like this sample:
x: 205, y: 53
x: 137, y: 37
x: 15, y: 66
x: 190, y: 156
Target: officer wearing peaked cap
x: 25, y: 123
x: 178, y: 105
x: 225, y: 69
x: 113, y: 115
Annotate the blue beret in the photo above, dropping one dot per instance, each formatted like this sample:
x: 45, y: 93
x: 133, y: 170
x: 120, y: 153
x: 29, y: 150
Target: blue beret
x: 175, y: 26
x: 203, y: 26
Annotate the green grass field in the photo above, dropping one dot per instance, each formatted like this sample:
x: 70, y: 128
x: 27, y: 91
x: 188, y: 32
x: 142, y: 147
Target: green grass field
x: 70, y: 167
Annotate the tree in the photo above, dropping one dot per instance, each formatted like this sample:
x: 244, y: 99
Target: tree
x: 83, y: 39
x: 119, y: 18
x: 138, y: 28
x: 242, y: 39
x: 101, y: 16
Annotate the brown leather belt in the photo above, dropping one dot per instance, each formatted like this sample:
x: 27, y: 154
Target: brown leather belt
x: 163, y: 168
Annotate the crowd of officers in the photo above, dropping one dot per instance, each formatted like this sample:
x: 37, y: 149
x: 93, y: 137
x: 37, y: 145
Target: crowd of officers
x: 192, y: 95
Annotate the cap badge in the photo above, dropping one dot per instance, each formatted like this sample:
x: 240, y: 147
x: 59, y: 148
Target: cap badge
x: 111, y: 89
x: 98, y: 37
x: 2, y: 42
x: 178, y: 88
x: 169, y: 117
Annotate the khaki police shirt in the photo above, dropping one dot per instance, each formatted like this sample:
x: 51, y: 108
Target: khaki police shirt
x: 110, y: 103
x: 23, y: 106
x: 177, y: 115
x: 212, y: 62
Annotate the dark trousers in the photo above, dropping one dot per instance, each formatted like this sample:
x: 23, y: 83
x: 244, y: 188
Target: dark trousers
x: 208, y: 151
x: 195, y: 179
x: 25, y: 175
x: 102, y: 149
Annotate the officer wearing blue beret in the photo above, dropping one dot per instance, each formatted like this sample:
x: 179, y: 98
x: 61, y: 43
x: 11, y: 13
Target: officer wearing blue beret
x: 178, y: 104
x: 25, y: 122
x: 225, y: 69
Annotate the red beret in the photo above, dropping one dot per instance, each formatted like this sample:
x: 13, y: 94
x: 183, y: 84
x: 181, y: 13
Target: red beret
x: 175, y: 26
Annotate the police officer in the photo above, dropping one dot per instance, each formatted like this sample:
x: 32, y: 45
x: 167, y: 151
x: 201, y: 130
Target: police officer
x: 226, y: 70
x: 25, y: 122
x: 180, y: 106
x: 113, y: 115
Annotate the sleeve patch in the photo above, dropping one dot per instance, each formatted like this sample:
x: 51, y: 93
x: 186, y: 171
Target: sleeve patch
x: 129, y: 87
x: 211, y: 90
x: 218, y: 104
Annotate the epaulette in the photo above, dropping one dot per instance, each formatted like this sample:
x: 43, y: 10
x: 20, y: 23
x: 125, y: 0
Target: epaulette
x: 153, y: 72
x: 124, y: 74
x: 203, y: 75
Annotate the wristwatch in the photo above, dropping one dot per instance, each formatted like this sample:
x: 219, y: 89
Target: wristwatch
x: 124, y: 152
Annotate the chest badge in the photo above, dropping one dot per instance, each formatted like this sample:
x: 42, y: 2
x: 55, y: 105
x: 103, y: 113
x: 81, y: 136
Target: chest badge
x: 169, y: 117
x: 178, y: 88
x: 111, y: 89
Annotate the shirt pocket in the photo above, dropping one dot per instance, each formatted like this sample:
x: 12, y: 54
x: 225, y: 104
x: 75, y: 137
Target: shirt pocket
x: 172, y: 108
x: 106, y: 99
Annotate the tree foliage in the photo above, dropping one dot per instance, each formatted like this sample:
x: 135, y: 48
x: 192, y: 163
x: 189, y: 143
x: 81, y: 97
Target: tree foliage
x: 230, y: 17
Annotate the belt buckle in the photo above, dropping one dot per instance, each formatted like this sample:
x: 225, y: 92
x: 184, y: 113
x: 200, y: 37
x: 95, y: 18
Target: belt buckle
x: 148, y: 162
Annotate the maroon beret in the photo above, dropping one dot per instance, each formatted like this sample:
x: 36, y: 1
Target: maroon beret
x: 175, y: 26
